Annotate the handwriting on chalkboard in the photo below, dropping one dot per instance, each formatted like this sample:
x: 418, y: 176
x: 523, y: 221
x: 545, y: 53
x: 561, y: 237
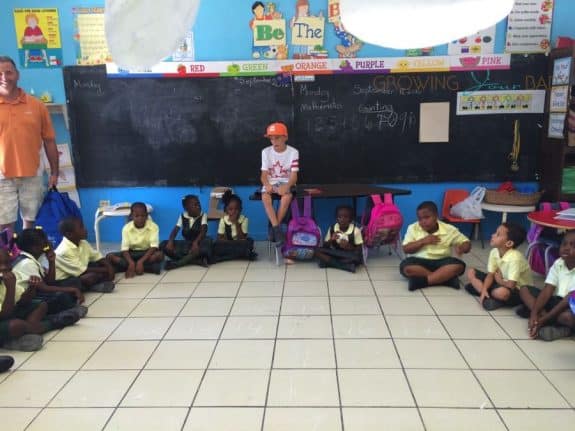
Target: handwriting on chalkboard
x: 88, y: 85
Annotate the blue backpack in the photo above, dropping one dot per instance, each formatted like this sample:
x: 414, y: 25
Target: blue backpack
x: 55, y: 207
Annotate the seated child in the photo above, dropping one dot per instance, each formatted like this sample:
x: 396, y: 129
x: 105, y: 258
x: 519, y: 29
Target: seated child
x: 33, y: 243
x: 342, y: 247
x: 23, y: 318
x: 77, y: 263
x: 280, y: 166
x: 549, y: 315
x: 233, y: 241
x: 507, y: 270
x: 139, y: 251
x: 429, y: 242
x: 196, y: 247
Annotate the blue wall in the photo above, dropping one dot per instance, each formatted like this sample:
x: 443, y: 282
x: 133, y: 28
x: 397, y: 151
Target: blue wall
x: 220, y: 22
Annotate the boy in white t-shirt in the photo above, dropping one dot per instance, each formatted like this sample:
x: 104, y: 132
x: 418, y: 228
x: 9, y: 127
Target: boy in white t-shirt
x: 280, y: 165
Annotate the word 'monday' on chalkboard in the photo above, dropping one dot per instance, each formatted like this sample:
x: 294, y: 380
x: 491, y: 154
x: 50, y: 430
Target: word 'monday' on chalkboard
x: 348, y: 128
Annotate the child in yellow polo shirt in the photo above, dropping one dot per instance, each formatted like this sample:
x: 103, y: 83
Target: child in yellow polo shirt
x: 77, y: 263
x: 507, y: 270
x: 429, y: 242
x: 139, y: 251
x: 547, y: 309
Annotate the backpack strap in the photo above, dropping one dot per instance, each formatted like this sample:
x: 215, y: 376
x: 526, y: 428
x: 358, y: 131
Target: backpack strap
x: 376, y: 199
x: 388, y: 198
x: 19, y: 259
x: 545, y: 206
x: 564, y: 205
x: 294, y: 209
x: 307, y: 206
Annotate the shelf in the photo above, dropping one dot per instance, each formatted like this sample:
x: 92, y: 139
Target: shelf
x: 59, y: 108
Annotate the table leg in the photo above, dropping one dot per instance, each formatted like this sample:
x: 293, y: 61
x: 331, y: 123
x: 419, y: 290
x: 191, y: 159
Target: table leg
x: 503, y: 217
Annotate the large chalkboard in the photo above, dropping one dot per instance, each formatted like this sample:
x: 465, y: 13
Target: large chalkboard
x: 348, y: 128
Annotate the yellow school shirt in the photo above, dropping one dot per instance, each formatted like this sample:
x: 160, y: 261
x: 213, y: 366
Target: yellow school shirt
x: 352, y: 230
x: 225, y: 220
x: 448, y: 235
x: 513, y: 267
x: 72, y: 260
x: 25, y: 269
x: 17, y: 292
x: 561, y: 277
x: 140, y: 239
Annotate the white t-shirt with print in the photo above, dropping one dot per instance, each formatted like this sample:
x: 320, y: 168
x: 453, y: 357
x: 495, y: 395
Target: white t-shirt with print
x: 279, y: 166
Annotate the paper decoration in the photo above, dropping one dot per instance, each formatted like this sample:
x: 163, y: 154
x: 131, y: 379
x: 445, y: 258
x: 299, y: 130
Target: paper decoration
x: 482, y: 42
x: 38, y: 36
x: 434, y: 122
x: 558, y: 98
x: 90, y: 36
x: 561, y: 71
x: 500, y: 102
x: 529, y: 27
x: 556, y: 126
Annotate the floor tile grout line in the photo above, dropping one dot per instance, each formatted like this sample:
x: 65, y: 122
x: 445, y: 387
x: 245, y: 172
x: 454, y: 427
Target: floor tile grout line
x: 468, y: 365
x: 266, y: 399
x: 207, y: 367
x: 403, y: 370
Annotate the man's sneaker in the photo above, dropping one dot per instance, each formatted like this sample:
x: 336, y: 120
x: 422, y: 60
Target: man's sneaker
x: 81, y: 310
x: 471, y: 290
x: 103, y: 287
x: 63, y: 319
x: 6, y: 363
x: 523, y: 311
x: 550, y: 333
x: 491, y: 304
x: 25, y: 343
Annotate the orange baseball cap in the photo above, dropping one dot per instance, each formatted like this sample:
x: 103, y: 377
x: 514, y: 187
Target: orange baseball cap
x: 276, y: 129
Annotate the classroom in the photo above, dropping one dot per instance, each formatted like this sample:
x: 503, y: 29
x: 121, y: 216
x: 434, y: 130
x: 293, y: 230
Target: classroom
x: 323, y: 328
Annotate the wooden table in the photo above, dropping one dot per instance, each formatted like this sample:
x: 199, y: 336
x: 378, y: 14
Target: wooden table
x: 547, y: 218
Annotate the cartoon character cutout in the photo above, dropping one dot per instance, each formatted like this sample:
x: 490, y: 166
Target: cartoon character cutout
x: 302, y: 11
x: 264, y: 13
x: 34, y: 42
x: 348, y: 45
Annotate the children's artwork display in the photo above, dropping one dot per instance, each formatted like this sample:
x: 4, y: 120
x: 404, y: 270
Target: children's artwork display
x: 90, y: 36
x: 556, y: 126
x: 482, y: 42
x: 348, y: 45
x: 38, y: 37
x: 529, y: 27
x: 558, y: 98
x: 561, y: 71
x: 500, y: 102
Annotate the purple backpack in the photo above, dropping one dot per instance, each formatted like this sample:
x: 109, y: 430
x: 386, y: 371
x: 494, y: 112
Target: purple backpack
x: 543, y: 247
x: 381, y: 224
x: 8, y: 243
x: 303, y: 234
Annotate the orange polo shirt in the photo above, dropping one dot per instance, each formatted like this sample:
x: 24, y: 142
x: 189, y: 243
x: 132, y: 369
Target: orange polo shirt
x: 24, y: 124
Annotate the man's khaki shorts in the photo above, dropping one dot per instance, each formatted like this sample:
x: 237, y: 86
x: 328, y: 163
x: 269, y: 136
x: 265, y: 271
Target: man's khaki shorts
x: 26, y: 192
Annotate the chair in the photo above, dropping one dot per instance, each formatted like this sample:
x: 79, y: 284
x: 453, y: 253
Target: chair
x: 117, y: 210
x: 452, y: 197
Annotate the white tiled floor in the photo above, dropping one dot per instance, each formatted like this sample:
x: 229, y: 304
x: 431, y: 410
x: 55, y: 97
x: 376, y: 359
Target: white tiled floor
x: 252, y: 346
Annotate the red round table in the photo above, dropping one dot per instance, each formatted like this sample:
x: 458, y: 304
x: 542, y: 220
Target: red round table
x: 547, y: 218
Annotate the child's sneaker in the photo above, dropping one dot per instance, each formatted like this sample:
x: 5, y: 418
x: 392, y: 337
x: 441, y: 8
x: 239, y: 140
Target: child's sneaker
x: 453, y: 283
x: 523, y: 311
x: 416, y: 283
x: 170, y: 264
x: 550, y: 333
x: 6, y: 363
x: 103, y: 287
x: 25, y: 343
x: 491, y: 304
x: 471, y: 290
x: 63, y: 319
x: 279, y: 236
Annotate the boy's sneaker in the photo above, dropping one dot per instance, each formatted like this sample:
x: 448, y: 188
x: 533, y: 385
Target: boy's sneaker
x: 81, y: 310
x: 454, y: 283
x: 25, y: 343
x: 170, y: 264
x: 63, y: 319
x: 491, y: 304
x: 416, y: 283
x: 471, y: 290
x: 155, y: 268
x: 550, y: 333
x: 252, y: 256
x: 6, y: 363
x: 523, y: 311
x: 103, y: 287
x: 279, y: 237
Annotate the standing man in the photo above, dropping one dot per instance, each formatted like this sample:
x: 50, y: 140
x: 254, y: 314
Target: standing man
x: 25, y: 127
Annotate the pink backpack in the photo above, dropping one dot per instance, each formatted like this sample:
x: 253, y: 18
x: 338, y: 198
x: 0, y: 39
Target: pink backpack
x: 303, y: 234
x: 382, y: 224
x: 543, y: 247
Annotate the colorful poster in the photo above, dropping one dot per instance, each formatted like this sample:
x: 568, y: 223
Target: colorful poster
x: 529, y: 26
x: 500, y: 102
x: 482, y: 42
x: 348, y: 45
x: 307, y: 32
x: 561, y: 71
x: 558, y: 98
x: 38, y: 36
x: 90, y: 36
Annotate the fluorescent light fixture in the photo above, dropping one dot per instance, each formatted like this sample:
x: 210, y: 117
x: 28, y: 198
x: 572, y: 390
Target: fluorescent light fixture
x: 141, y: 33
x: 405, y: 24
